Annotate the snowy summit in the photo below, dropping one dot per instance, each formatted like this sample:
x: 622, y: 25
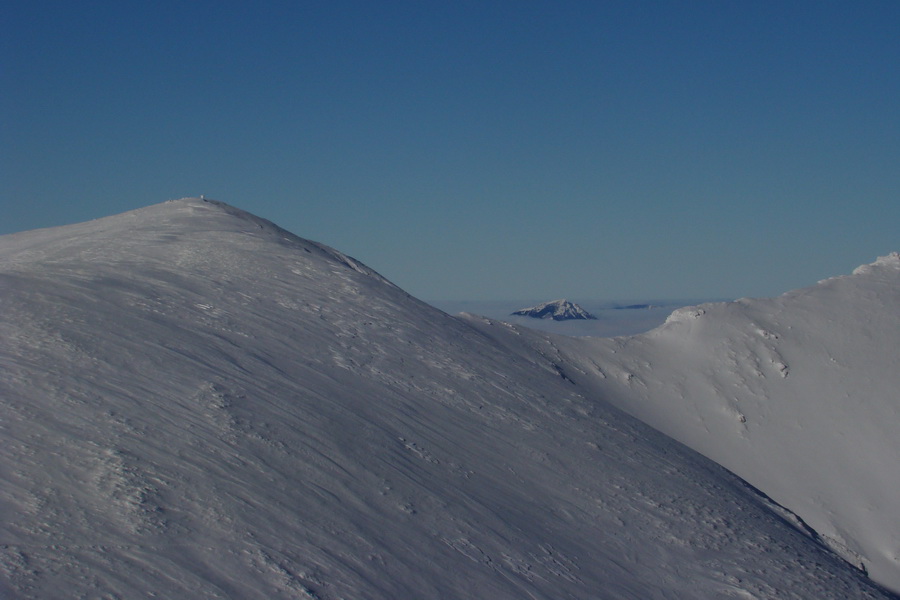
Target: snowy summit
x: 196, y: 403
x: 558, y: 310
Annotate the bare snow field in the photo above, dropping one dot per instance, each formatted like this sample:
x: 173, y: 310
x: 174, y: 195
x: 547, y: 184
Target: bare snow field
x: 197, y: 404
x: 798, y: 395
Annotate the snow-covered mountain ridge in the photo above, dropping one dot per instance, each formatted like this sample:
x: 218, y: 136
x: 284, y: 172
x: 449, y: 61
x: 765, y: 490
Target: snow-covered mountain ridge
x: 195, y: 403
x: 799, y: 395
x: 890, y: 261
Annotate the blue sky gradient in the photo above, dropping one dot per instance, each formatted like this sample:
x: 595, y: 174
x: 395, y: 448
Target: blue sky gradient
x: 475, y: 150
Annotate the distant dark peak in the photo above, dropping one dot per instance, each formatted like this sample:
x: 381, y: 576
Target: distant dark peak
x: 558, y: 310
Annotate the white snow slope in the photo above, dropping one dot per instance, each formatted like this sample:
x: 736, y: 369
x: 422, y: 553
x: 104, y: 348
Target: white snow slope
x: 197, y: 404
x: 798, y: 395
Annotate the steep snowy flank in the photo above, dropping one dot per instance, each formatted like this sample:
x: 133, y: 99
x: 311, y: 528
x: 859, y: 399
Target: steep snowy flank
x: 195, y: 403
x: 799, y: 395
x: 558, y: 310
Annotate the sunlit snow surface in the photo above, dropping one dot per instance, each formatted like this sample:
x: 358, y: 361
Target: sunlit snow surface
x: 824, y: 444
x: 197, y: 404
x: 799, y: 395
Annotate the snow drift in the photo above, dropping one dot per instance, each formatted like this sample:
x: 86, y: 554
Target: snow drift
x: 198, y: 404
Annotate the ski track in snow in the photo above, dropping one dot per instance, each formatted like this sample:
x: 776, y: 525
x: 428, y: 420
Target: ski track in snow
x: 197, y: 404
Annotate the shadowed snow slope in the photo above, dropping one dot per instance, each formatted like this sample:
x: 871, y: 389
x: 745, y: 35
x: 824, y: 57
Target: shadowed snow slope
x: 197, y: 404
x: 799, y: 395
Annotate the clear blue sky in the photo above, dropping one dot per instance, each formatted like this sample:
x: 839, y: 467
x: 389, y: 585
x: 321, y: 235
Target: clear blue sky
x: 478, y: 150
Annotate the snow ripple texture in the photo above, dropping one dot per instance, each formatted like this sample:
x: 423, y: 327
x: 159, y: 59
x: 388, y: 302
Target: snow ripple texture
x: 197, y: 404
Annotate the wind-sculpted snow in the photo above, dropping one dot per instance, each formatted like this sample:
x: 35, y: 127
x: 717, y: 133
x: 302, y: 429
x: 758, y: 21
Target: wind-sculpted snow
x: 799, y: 395
x: 197, y: 404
